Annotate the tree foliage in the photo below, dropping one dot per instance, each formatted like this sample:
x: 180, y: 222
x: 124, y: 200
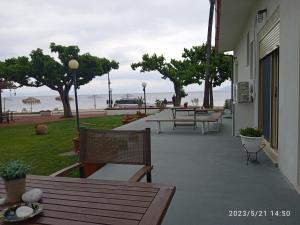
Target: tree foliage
x: 180, y: 72
x: 190, y: 70
x: 40, y: 69
x: 220, y: 66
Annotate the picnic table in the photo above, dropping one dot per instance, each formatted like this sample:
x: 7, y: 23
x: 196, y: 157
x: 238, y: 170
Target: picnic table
x: 77, y: 201
x: 199, y: 116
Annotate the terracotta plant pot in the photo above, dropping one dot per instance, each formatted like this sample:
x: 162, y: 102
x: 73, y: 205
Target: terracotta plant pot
x: 41, y: 129
x: 14, y: 190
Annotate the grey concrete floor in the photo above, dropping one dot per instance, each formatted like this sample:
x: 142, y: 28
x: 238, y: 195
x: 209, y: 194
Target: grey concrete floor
x: 212, y: 178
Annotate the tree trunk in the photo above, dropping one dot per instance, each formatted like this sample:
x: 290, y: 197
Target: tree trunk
x: 211, y: 97
x: 177, y: 95
x: 66, y: 104
x: 206, y: 99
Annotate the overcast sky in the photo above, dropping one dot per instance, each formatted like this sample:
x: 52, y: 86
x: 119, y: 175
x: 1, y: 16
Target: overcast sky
x: 116, y: 29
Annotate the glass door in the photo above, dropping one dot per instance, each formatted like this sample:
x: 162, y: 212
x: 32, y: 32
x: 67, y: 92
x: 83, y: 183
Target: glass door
x: 268, y: 97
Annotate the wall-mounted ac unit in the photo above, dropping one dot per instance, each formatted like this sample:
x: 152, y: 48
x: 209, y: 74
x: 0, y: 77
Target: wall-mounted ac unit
x: 242, y: 94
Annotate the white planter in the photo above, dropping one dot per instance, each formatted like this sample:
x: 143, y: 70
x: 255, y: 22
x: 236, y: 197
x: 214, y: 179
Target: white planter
x: 227, y: 111
x: 251, y: 144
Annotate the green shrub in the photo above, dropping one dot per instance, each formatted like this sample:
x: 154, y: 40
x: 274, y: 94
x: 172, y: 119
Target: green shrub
x: 13, y: 170
x: 226, y: 104
x: 251, y: 132
x: 160, y: 104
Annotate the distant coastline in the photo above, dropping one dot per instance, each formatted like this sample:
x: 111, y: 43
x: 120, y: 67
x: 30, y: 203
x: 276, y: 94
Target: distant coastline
x: 98, y: 101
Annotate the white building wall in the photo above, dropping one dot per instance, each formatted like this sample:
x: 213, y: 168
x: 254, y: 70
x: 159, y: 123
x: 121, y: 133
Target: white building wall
x: 247, y: 113
x: 243, y: 111
x: 289, y: 89
x: 289, y: 82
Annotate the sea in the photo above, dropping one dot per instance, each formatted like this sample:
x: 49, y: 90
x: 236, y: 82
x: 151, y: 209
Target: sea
x: 98, y: 101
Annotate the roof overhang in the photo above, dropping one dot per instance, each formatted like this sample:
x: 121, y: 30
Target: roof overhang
x: 231, y: 19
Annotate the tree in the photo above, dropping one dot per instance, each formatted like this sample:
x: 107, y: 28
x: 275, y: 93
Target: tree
x: 180, y: 73
x: 220, y: 66
x: 207, y: 85
x: 43, y: 70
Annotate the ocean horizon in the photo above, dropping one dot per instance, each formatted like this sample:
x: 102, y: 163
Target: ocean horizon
x: 98, y: 101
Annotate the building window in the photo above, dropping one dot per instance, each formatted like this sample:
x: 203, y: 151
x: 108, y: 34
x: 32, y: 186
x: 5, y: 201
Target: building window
x: 248, y: 46
x: 251, y: 60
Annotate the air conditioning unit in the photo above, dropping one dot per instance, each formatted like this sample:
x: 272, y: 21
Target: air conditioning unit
x: 243, y: 92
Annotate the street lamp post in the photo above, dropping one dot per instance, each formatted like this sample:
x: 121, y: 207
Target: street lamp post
x: 144, y: 84
x: 73, y: 65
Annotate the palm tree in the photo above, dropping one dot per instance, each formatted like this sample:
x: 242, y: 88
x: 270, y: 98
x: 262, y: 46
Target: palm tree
x: 207, y: 86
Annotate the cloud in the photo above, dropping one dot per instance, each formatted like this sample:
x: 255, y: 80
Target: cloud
x: 120, y: 29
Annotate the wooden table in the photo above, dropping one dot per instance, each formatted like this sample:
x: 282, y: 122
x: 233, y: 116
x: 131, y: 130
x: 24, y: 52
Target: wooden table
x: 75, y: 201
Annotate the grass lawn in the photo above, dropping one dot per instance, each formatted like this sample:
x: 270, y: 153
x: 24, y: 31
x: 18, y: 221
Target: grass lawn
x: 42, y: 152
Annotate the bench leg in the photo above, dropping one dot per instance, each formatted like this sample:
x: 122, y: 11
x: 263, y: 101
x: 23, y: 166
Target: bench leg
x: 203, y: 128
x: 159, y: 127
x: 149, y: 177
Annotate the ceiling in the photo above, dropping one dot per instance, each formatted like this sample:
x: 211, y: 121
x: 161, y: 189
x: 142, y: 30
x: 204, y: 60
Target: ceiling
x: 232, y: 15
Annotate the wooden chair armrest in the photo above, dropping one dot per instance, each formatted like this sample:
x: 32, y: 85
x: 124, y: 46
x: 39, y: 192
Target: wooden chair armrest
x: 140, y: 173
x: 66, y: 169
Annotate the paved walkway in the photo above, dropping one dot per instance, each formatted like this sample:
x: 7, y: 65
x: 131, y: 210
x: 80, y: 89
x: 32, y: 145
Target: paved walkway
x: 212, y: 178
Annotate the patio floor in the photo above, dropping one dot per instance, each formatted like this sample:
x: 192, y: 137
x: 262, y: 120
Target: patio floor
x: 211, y: 177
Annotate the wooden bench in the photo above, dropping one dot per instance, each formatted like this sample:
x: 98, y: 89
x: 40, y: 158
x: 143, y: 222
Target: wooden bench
x: 214, y: 117
x: 99, y: 147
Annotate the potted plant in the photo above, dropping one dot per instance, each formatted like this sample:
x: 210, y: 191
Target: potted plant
x: 227, y: 106
x: 251, y: 141
x: 160, y: 105
x: 14, y: 175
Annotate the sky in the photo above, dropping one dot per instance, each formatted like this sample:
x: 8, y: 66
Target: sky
x: 122, y: 30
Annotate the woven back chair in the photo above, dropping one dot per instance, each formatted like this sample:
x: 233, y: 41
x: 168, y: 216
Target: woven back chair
x: 115, y: 146
x: 98, y: 147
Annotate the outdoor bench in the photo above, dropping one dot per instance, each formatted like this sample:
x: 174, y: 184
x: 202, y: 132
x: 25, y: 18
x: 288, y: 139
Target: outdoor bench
x: 214, y: 117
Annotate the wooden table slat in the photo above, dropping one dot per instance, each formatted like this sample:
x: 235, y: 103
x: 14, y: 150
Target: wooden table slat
x: 91, y: 194
x: 55, y: 221
x: 105, y: 186
x: 98, y: 200
x: 95, y: 181
x: 94, y: 190
x: 96, y: 212
x: 89, y: 218
x: 121, y: 208
x: 159, y: 207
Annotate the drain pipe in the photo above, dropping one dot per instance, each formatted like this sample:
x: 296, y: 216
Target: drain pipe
x: 232, y: 105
